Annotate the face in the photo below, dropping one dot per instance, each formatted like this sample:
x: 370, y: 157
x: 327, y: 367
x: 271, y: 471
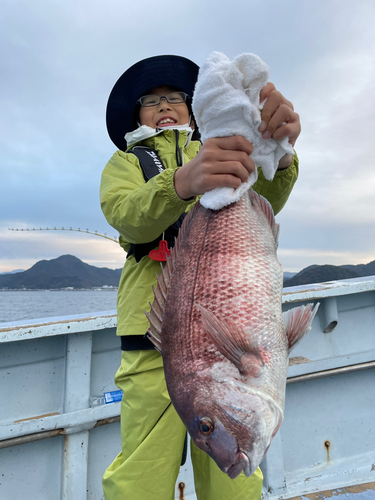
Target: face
x: 164, y: 114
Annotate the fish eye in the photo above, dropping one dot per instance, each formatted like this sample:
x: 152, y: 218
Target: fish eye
x: 206, y: 426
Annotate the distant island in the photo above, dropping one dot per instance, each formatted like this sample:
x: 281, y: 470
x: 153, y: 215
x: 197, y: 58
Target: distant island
x: 64, y: 272
x: 13, y: 272
x: 321, y: 274
x: 69, y: 272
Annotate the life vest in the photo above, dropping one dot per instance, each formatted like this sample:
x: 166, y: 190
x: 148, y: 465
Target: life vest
x: 152, y: 165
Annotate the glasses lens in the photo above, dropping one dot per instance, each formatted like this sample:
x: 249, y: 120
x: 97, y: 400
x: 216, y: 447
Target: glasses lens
x: 176, y: 97
x: 154, y: 100
x: 149, y: 100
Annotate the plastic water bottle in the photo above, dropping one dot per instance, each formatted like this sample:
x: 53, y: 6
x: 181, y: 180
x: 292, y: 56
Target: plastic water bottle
x: 106, y: 398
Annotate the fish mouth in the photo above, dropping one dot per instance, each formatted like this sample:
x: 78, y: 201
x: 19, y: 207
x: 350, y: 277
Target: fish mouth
x: 242, y: 464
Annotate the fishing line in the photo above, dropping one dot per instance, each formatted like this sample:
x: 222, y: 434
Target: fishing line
x: 18, y: 243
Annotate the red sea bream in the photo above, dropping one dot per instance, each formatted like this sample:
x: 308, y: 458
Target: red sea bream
x: 217, y: 321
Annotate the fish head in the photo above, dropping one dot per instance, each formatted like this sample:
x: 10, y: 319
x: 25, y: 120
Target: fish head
x: 257, y: 419
x: 236, y: 436
x: 212, y: 436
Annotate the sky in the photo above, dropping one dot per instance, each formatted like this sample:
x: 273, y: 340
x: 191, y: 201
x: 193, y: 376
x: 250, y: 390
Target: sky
x: 61, y: 58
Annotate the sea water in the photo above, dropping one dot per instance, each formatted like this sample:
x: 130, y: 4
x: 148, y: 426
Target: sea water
x: 25, y: 305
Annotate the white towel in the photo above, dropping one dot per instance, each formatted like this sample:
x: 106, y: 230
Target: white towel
x: 226, y: 103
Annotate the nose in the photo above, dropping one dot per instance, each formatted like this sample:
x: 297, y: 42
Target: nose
x: 164, y: 104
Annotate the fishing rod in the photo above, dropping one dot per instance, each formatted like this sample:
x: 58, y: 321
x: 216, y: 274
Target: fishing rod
x: 79, y: 230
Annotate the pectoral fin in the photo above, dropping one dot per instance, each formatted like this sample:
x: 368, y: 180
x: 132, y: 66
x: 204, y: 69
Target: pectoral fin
x: 297, y: 322
x: 236, y: 345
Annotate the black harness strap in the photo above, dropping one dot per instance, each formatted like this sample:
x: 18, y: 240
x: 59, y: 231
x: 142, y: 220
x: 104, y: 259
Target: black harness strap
x: 150, y: 162
x: 152, y: 165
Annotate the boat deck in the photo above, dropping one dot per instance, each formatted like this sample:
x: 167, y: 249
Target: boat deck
x: 54, y: 446
x: 357, y: 492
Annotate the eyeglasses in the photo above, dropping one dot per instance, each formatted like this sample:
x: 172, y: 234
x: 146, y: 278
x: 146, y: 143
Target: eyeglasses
x: 155, y: 100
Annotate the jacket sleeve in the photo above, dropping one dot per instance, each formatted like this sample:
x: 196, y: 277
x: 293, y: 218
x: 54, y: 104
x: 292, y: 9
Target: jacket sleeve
x: 278, y: 190
x: 139, y: 211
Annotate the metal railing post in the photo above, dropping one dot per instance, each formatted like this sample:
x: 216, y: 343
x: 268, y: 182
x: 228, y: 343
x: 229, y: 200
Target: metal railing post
x: 77, y: 394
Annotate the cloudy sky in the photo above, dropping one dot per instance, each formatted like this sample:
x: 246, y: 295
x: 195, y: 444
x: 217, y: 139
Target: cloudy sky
x: 61, y: 58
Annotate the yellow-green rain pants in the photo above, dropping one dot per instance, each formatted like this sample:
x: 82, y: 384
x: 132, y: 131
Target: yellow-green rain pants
x: 152, y: 442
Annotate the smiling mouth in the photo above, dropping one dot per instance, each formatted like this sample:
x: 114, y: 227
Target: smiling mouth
x: 166, y: 121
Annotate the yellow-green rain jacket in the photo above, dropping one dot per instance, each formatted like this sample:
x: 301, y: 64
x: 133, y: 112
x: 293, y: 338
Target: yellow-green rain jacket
x: 141, y: 211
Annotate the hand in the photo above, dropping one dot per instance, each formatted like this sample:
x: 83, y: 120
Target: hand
x: 279, y: 119
x: 222, y: 161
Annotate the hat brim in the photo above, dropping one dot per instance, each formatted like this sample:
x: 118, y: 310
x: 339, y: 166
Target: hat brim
x: 169, y: 70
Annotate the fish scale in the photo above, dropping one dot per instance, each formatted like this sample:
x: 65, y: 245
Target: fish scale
x: 218, y: 323
x: 236, y: 269
x: 250, y: 270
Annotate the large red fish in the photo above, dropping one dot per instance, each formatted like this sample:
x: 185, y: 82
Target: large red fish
x: 217, y: 321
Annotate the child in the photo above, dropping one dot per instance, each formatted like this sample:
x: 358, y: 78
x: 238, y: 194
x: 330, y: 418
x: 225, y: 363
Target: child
x: 150, y: 105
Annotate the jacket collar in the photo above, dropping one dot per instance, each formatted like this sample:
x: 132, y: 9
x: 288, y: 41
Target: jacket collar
x: 144, y: 132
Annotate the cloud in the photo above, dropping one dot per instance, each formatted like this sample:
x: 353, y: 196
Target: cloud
x: 331, y: 211
x: 61, y: 60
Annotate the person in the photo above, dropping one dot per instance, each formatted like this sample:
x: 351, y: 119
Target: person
x: 150, y: 106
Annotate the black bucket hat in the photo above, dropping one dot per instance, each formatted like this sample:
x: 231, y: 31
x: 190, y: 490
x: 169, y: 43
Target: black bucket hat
x: 173, y: 71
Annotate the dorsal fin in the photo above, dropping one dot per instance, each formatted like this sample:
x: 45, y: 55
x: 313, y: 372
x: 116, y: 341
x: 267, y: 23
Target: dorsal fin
x: 260, y: 203
x: 189, y: 216
x: 155, y: 315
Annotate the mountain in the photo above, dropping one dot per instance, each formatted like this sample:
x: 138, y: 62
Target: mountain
x: 68, y: 271
x: 320, y: 274
x: 65, y: 271
x: 363, y: 269
x: 13, y: 272
x: 288, y: 275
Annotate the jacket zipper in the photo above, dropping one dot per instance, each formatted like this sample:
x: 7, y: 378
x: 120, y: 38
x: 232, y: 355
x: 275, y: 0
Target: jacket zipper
x: 179, y: 153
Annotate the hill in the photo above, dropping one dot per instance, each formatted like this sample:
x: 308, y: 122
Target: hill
x: 13, y: 272
x: 69, y: 271
x: 320, y: 274
x: 65, y: 271
x: 362, y: 269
